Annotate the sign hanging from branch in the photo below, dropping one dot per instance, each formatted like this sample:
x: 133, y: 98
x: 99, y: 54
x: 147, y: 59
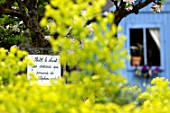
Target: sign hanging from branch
x: 46, y: 68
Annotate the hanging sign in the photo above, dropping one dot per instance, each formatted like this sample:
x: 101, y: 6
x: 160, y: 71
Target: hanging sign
x: 46, y: 68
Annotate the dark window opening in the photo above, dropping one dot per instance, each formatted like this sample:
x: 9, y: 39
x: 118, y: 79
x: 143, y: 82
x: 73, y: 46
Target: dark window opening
x: 153, y: 47
x: 145, y: 53
x: 136, y: 44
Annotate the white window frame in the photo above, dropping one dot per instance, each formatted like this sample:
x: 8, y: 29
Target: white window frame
x: 144, y: 27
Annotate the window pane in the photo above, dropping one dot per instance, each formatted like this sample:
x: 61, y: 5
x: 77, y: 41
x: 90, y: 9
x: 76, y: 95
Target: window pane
x: 136, y: 44
x: 153, y: 46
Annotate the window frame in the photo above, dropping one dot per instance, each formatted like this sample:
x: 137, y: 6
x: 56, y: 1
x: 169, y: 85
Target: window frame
x: 144, y: 27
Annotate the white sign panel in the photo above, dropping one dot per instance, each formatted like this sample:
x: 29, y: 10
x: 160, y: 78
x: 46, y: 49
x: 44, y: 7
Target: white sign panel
x: 46, y: 68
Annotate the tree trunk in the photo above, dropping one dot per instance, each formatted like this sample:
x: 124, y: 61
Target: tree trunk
x: 31, y: 21
x: 37, y: 34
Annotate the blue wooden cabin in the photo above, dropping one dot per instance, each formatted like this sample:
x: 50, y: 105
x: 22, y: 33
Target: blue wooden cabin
x: 148, y: 36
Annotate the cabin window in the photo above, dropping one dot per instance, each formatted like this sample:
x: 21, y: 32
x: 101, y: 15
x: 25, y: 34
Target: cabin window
x: 145, y: 46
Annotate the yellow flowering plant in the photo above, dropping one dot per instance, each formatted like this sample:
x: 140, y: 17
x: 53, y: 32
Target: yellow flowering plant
x: 94, y: 85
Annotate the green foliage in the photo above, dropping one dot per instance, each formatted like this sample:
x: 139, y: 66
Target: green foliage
x: 100, y: 57
x: 2, y: 1
x: 156, y: 98
x: 16, y: 20
x: 91, y: 94
x: 9, y: 37
x: 11, y: 32
x: 12, y: 64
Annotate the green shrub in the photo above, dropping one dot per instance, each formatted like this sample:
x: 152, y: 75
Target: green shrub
x: 156, y: 98
x: 11, y: 32
x: 84, y: 93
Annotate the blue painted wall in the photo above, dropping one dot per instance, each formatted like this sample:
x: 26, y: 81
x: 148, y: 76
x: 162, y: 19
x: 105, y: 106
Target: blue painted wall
x: 146, y: 18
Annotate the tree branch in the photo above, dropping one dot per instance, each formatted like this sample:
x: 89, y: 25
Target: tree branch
x: 35, y: 29
x: 8, y: 3
x: 122, y: 12
x: 141, y: 5
x: 24, y: 13
x: 12, y: 12
x: 116, y: 4
x: 6, y: 9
